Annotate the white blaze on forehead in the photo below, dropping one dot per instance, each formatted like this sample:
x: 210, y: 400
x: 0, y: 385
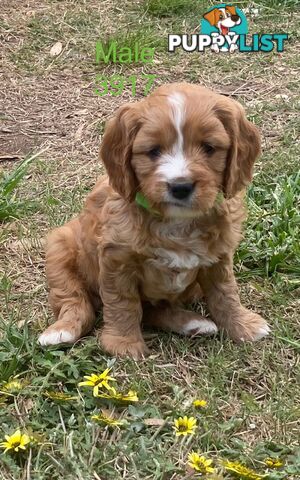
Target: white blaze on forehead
x: 173, y: 164
x: 177, y: 105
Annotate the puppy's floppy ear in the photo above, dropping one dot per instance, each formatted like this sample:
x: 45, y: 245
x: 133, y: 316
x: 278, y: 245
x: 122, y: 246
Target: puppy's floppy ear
x: 231, y: 9
x: 116, y: 150
x: 245, y: 146
x: 211, y: 16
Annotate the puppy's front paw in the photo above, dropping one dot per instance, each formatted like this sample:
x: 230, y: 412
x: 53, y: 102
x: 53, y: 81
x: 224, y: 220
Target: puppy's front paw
x: 250, y: 327
x: 119, y: 346
x: 59, y: 332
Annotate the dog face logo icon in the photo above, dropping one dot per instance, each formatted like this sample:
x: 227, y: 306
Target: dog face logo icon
x: 225, y: 21
x: 223, y: 18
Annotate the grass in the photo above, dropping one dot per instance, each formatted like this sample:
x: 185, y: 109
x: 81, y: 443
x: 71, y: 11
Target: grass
x: 168, y: 8
x: 272, y: 238
x: 65, y: 430
x: 252, y: 391
x: 10, y: 207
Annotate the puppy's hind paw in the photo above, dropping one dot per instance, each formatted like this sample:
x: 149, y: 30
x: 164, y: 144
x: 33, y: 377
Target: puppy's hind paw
x: 199, y: 327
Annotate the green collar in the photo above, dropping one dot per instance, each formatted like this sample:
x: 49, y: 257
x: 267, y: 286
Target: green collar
x: 142, y: 201
x: 219, y: 198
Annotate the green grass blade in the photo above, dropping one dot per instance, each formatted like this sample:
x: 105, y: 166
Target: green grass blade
x: 16, y: 176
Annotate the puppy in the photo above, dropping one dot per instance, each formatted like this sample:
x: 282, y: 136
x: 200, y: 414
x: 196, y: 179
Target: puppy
x: 223, y: 18
x: 161, y: 228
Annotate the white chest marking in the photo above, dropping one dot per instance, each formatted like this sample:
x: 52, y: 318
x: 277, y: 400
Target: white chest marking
x: 171, y: 259
x: 173, y: 164
x: 180, y: 282
x: 182, y: 261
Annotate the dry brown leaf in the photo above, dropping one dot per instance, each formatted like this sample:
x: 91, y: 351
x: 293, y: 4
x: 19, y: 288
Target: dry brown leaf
x: 28, y: 405
x: 77, y: 113
x: 154, y: 422
x: 79, y: 131
x: 107, y: 413
x: 56, y: 49
x: 82, y: 111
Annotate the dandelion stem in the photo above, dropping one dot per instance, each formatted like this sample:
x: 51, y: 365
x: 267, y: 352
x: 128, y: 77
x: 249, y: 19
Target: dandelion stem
x: 62, y: 421
x: 94, y: 446
x: 19, y: 413
x: 70, y: 441
x: 28, y: 466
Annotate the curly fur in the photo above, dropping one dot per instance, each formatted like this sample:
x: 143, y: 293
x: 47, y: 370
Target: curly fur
x: 142, y: 266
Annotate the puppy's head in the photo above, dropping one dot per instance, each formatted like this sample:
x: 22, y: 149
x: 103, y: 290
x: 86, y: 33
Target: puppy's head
x: 223, y: 18
x: 180, y: 147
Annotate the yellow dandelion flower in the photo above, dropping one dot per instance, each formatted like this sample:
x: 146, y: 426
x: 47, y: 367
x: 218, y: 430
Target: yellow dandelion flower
x: 11, y: 387
x: 200, y: 403
x: 130, y: 397
x: 97, y: 381
x: 112, y: 393
x: 274, y: 462
x: 185, y: 426
x: 200, y: 463
x: 243, y: 472
x: 101, y: 418
x: 15, y: 442
x: 60, y: 396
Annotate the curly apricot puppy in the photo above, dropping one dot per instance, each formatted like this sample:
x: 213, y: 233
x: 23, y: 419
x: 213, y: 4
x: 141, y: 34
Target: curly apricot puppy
x: 161, y: 228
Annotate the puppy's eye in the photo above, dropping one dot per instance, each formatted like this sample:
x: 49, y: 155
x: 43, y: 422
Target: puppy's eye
x: 221, y: 17
x: 154, y: 153
x: 209, y: 149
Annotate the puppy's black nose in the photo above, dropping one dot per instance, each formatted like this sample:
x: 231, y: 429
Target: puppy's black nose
x: 181, y: 190
x: 235, y: 18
